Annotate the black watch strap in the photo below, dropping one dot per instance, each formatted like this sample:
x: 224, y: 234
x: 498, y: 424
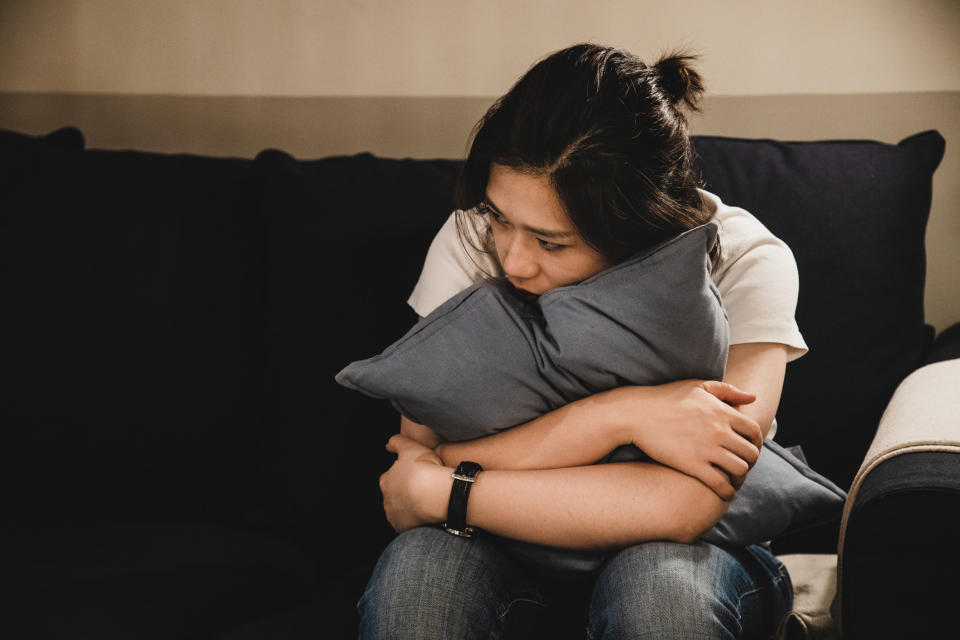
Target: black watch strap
x: 463, y: 479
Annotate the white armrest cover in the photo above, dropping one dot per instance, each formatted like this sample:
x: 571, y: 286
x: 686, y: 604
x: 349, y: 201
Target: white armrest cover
x: 923, y: 415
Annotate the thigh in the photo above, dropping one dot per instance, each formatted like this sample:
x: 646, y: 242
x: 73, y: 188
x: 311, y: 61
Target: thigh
x: 763, y: 607
x: 674, y: 590
x: 430, y: 584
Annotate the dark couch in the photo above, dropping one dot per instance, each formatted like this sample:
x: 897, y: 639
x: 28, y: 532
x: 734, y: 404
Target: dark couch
x: 177, y: 460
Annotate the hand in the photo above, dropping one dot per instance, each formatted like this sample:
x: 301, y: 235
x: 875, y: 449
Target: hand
x: 413, y: 485
x: 694, y: 427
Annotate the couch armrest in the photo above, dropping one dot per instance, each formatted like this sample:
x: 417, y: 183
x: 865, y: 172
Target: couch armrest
x: 902, y: 516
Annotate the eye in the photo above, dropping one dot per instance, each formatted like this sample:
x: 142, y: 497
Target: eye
x: 550, y: 246
x: 487, y: 210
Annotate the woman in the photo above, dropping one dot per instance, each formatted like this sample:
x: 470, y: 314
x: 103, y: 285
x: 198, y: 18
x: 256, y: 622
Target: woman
x: 583, y: 163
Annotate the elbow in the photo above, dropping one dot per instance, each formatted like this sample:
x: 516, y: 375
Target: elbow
x: 699, y: 521
x: 688, y: 535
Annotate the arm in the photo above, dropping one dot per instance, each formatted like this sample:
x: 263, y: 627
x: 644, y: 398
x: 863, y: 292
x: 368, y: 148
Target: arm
x: 709, y: 430
x: 760, y: 367
x: 596, y: 506
x: 582, y: 432
x: 591, y: 507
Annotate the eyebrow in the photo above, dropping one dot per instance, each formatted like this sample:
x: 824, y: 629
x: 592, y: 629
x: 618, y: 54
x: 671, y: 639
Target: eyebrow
x: 540, y: 232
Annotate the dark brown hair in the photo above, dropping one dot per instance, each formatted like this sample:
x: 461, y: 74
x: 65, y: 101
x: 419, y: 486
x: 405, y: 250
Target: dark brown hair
x: 608, y: 133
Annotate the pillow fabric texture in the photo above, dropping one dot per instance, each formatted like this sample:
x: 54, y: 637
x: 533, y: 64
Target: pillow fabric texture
x: 487, y: 360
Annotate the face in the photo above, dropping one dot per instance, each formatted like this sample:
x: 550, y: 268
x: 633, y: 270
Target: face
x: 538, y: 247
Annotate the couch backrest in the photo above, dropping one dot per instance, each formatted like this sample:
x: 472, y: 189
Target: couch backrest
x: 132, y: 292
x: 346, y: 238
x: 854, y: 213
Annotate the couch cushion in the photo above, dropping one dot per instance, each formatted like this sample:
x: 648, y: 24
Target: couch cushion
x: 132, y: 286
x: 63, y: 138
x: 854, y: 213
x: 162, y: 580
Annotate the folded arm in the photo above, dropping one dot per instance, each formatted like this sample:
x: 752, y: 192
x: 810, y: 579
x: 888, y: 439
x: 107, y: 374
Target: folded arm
x: 710, y: 430
x: 593, y: 506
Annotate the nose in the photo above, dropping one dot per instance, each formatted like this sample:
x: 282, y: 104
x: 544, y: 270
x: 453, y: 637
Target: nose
x: 518, y: 260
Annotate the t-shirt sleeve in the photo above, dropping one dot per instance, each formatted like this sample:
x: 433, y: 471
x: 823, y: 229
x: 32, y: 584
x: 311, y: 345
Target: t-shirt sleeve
x: 759, y: 284
x: 449, y: 268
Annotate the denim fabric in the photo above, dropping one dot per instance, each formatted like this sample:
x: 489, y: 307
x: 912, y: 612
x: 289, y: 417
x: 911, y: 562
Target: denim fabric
x: 429, y: 585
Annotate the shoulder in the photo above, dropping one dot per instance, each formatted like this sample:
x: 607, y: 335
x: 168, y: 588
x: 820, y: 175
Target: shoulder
x: 451, y: 265
x: 757, y: 278
x: 463, y: 253
x: 742, y: 235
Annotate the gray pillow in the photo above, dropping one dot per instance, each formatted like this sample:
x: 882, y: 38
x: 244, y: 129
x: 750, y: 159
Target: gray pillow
x: 487, y: 360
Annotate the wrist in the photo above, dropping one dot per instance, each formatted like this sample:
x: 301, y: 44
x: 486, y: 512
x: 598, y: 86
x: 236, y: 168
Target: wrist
x: 443, y: 451
x: 624, y: 420
x: 434, y: 492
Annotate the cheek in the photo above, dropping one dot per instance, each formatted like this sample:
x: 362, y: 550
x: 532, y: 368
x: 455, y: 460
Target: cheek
x: 582, y: 266
x: 500, y: 238
x: 561, y: 271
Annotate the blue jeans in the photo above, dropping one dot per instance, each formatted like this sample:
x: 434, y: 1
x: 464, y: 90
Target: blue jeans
x: 432, y: 585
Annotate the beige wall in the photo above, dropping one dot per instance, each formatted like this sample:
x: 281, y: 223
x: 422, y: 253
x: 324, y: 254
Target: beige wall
x: 464, y: 47
x: 410, y: 77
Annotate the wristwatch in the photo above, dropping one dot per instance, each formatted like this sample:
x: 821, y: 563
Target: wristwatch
x: 463, y: 477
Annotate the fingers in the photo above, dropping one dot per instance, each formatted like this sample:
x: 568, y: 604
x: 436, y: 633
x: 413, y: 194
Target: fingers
x: 728, y: 393
x: 391, y: 445
x: 749, y: 429
x: 740, y: 434
x: 398, y: 442
x: 731, y: 463
x: 741, y: 424
x: 743, y: 450
x: 737, y: 481
x: 719, y: 482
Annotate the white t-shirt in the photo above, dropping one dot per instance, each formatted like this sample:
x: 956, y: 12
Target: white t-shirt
x: 756, y: 277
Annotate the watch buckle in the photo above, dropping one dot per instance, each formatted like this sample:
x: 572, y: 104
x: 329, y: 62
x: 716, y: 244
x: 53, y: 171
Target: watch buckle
x: 466, y: 532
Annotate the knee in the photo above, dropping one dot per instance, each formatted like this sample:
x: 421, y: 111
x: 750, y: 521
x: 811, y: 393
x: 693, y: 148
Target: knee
x: 425, y: 585
x: 664, y: 590
x: 395, y: 596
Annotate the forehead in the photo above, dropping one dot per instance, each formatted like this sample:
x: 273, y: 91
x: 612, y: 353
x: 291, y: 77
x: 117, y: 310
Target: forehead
x: 527, y: 199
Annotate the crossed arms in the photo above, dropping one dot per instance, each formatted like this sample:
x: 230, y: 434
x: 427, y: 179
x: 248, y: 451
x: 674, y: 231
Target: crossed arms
x: 539, y: 483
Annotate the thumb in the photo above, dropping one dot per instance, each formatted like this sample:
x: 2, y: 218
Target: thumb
x: 395, y: 443
x: 728, y: 393
x: 399, y: 444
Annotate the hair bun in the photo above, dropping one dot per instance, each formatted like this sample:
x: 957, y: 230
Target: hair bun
x: 678, y: 80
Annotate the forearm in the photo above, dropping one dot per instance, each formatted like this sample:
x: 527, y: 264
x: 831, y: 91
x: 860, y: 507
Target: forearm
x: 759, y: 367
x: 592, y: 507
x: 579, y: 433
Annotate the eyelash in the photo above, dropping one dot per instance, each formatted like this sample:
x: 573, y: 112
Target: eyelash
x: 486, y: 209
x: 550, y: 246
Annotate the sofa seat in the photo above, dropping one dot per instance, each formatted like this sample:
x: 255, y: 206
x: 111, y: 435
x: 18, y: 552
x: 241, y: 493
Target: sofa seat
x: 148, y: 579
